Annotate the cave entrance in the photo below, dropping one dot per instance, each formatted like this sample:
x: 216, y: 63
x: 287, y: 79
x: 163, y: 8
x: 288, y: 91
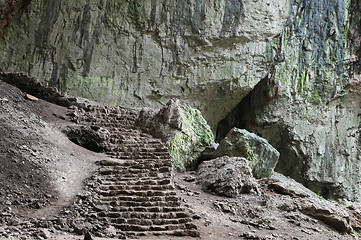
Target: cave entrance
x: 250, y: 113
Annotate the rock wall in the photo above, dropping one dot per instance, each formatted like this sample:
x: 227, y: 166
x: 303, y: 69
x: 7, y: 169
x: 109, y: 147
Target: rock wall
x: 308, y: 106
x: 300, y: 57
x: 142, y: 53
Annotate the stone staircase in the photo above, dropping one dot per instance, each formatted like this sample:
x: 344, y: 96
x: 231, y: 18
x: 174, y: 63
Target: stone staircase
x: 134, y: 192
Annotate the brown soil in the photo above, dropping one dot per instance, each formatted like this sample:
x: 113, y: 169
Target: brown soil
x: 40, y: 166
x: 41, y: 172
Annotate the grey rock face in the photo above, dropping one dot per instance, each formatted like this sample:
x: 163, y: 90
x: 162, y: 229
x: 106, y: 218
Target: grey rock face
x: 142, y: 53
x: 313, y: 119
x: 261, y: 155
x: 227, y: 176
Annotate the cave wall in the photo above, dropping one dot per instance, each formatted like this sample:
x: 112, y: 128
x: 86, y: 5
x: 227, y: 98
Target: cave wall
x: 308, y: 106
x: 300, y: 58
x: 143, y: 52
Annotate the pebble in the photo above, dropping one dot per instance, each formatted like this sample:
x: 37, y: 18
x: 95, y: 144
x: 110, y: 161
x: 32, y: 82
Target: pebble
x: 189, y: 178
x: 196, y: 216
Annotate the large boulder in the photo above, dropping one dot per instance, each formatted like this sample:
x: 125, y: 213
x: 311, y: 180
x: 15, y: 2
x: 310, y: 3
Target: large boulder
x: 261, y: 155
x: 287, y: 186
x: 182, y: 127
x: 326, y: 211
x: 90, y: 137
x: 227, y: 176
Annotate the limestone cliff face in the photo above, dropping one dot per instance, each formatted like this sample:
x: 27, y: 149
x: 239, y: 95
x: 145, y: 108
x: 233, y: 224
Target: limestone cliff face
x: 142, y: 53
x: 299, y: 58
x: 308, y: 107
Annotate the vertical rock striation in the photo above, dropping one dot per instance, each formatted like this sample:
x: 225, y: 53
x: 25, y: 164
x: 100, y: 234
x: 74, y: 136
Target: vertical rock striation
x: 142, y: 53
x: 308, y: 106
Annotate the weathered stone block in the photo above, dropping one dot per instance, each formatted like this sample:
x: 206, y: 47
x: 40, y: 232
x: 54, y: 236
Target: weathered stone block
x: 227, y: 176
x: 183, y: 128
x: 261, y: 155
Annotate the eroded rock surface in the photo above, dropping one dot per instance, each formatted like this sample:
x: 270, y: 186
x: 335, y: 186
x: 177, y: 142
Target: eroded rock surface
x: 327, y: 212
x: 227, y: 176
x: 308, y: 106
x: 261, y: 155
x: 182, y: 127
x: 287, y: 186
x: 142, y: 53
x: 93, y: 138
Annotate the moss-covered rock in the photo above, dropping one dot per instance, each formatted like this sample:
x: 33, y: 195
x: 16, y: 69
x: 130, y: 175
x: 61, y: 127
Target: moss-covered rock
x: 261, y: 155
x: 183, y: 128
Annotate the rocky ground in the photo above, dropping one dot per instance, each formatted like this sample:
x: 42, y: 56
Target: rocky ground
x: 43, y: 174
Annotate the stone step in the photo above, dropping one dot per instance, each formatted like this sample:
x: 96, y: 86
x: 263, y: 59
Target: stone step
x: 123, y: 177
x: 135, y: 156
x: 145, y: 228
x: 142, y: 148
x: 145, y: 162
x: 154, y: 209
x: 141, y: 204
x: 171, y: 198
x: 121, y: 122
x: 106, y: 162
x: 177, y: 233
x: 146, y: 181
x: 136, y: 187
x: 149, y: 222
x: 146, y: 193
x: 127, y: 171
x: 150, y: 165
x: 124, y: 213
x: 134, y: 170
x: 144, y: 140
x: 113, y: 112
x: 124, y: 135
x: 137, y: 150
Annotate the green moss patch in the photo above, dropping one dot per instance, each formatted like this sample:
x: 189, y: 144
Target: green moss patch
x: 186, y: 146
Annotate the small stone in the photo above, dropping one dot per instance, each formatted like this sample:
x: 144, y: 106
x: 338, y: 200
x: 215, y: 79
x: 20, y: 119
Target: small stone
x: 189, y: 178
x: 31, y: 97
x: 207, y: 222
x: 110, y: 231
x: 44, y: 233
x: 196, y: 216
x: 84, y: 195
x: 4, y: 100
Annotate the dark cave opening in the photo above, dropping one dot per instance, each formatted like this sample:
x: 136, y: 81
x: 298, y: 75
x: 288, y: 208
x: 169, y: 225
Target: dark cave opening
x: 246, y: 115
x: 249, y: 114
x: 255, y: 112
